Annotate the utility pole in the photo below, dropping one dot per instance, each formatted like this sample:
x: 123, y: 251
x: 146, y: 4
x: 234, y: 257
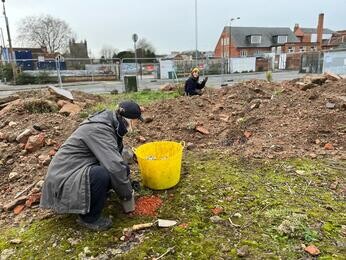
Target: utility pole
x: 230, y: 41
x: 10, y: 54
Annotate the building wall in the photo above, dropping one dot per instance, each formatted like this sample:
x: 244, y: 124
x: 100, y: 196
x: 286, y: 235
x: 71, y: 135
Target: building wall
x: 78, y: 50
x: 262, y: 64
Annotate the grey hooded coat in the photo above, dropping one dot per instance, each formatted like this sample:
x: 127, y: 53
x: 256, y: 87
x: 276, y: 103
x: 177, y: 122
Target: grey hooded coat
x: 96, y: 141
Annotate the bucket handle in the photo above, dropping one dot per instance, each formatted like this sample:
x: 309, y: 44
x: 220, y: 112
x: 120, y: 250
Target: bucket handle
x: 133, y: 150
x: 182, y: 144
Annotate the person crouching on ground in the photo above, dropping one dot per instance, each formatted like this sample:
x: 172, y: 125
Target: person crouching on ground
x: 88, y: 165
x: 192, y: 86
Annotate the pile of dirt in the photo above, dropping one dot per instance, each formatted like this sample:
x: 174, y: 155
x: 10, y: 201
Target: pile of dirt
x: 256, y: 119
x: 33, y: 125
x: 250, y: 119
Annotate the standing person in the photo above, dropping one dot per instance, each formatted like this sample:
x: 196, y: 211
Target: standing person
x: 90, y: 163
x: 192, y: 86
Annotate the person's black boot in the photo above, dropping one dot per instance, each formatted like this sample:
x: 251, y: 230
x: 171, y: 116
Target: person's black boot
x: 101, y: 224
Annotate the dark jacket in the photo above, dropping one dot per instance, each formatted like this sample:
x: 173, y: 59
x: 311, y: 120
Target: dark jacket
x: 192, y: 86
x: 96, y: 141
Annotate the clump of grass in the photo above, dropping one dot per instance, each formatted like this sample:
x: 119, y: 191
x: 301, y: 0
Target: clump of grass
x: 40, y: 106
x: 269, y: 76
x: 142, y: 97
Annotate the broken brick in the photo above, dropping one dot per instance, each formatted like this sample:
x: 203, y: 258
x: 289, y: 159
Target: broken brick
x: 217, y: 210
x: 328, y: 146
x: 247, y: 134
x: 202, y: 130
x: 35, y: 142
x: 70, y: 109
x: 18, y: 209
x: 312, y: 250
x: 33, y: 199
x: 11, y: 205
x: 62, y: 103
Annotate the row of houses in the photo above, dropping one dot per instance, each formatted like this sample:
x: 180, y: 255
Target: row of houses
x: 258, y: 41
x: 264, y: 48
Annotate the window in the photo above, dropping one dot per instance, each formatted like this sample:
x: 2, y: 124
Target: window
x: 258, y: 53
x: 225, y: 41
x: 302, y: 48
x: 282, y: 38
x: 313, y: 48
x: 313, y: 37
x: 278, y: 50
x: 256, y: 39
x: 290, y: 49
x: 243, y: 53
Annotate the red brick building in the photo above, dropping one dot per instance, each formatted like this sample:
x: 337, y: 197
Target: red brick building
x: 253, y: 41
x: 312, y: 39
x: 338, y: 38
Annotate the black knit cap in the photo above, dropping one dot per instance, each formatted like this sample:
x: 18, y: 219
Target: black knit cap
x: 131, y: 110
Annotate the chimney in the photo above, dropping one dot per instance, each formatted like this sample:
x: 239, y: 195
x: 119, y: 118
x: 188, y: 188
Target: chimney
x: 296, y: 26
x: 320, y: 31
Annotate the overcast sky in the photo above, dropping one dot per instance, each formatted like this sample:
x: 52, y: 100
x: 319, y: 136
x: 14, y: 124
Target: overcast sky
x: 169, y: 24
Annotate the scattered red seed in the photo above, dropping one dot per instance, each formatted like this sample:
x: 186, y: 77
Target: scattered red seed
x: 147, y: 206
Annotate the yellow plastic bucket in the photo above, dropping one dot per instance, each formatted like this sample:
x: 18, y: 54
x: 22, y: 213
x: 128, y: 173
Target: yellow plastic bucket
x: 160, y: 163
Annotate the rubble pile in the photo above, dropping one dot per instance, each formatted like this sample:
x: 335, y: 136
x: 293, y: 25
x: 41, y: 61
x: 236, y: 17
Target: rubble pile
x: 33, y: 125
x: 257, y: 119
x: 300, y: 118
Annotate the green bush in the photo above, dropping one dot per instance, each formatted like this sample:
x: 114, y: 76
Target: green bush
x: 25, y: 78
x: 6, y: 72
x: 44, y: 78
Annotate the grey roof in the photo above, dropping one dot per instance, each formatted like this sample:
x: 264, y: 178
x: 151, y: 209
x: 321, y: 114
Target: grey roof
x: 239, y: 35
x: 314, y: 30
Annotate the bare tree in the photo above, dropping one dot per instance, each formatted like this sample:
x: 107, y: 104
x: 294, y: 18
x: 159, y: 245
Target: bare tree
x: 145, y: 45
x: 108, y: 52
x: 45, y: 31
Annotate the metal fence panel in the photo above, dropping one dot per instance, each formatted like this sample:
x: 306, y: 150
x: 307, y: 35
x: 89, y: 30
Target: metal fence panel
x: 335, y: 62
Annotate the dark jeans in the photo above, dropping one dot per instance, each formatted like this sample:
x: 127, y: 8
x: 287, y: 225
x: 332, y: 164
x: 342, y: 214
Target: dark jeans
x: 100, y: 183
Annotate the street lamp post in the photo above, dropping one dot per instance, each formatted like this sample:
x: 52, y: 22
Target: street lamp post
x: 135, y: 39
x: 230, y: 41
x: 222, y: 60
x: 196, y: 32
x: 11, y: 54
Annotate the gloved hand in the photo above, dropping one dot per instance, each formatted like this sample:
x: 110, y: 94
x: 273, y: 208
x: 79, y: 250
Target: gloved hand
x: 127, y: 169
x: 135, y: 158
x: 136, y: 186
x: 129, y: 205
